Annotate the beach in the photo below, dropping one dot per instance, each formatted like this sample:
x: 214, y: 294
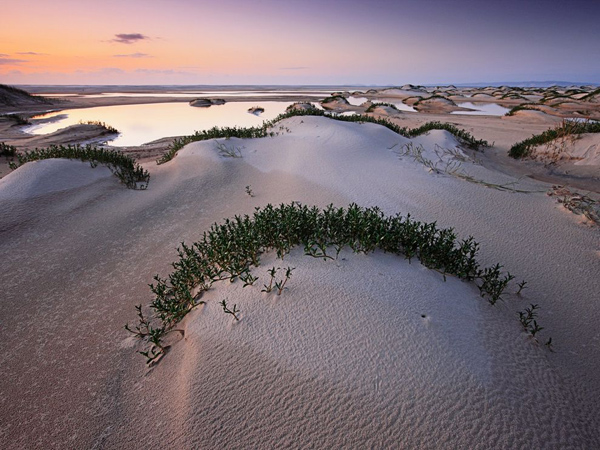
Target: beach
x: 362, y: 350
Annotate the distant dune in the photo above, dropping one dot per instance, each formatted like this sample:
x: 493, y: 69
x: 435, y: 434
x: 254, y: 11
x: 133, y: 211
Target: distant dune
x: 12, y: 96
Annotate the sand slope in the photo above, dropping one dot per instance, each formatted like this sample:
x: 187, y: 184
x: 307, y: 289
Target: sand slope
x: 343, y: 358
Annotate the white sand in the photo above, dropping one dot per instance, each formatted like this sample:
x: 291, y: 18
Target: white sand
x: 343, y: 359
x: 52, y: 175
x: 584, y: 150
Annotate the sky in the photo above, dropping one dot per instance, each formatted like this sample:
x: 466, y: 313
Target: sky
x: 307, y: 42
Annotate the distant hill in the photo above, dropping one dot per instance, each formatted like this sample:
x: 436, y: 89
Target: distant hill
x: 12, y: 96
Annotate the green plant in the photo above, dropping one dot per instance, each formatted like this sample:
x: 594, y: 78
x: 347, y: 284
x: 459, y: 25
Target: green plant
x: 264, y: 130
x: 567, y: 129
x: 122, y: 166
x: 334, y: 98
x: 234, y: 311
x: 248, y: 278
x: 521, y: 285
x: 433, y: 97
x: 228, y: 250
x: 530, y: 325
x: 280, y: 285
x: 7, y: 150
x: 492, y: 283
x: 523, y: 107
x: 372, y: 107
x: 272, y: 272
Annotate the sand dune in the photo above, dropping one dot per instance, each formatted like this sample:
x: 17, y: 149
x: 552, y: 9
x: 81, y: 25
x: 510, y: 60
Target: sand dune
x: 344, y: 358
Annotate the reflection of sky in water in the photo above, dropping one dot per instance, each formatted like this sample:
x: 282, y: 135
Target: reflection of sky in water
x: 482, y: 109
x: 206, y: 94
x: 356, y: 101
x: 139, y: 124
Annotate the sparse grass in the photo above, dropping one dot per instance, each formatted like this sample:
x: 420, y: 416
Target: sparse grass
x: 433, y: 97
x: 449, y: 162
x: 524, y: 107
x: 229, y: 151
x: 233, y: 311
x: 6, y: 99
x: 334, y: 98
x: 530, y: 325
x: 591, y: 95
x: 214, y: 133
x: 375, y: 105
x: 567, y: 129
x: 264, y: 130
x: 122, y: 166
x: 229, y: 250
x: 100, y: 124
x: 577, y: 203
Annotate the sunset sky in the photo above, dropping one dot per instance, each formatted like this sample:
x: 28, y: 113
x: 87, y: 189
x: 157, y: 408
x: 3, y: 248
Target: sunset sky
x: 298, y: 42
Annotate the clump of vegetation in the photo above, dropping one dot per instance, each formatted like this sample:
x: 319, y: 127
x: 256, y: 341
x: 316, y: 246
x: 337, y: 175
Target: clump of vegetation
x: 375, y: 105
x: 7, y: 150
x: 98, y: 123
x: 530, y: 325
x: 567, y: 129
x: 214, y: 133
x: 229, y: 250
x: 122, y: 166
x: 278, y: 285
x: 249, y: 191
x: 19, y: 120
x: 334, y: 98
x: 264, y: 130
x: 524, y: 107
x: 433, y: 97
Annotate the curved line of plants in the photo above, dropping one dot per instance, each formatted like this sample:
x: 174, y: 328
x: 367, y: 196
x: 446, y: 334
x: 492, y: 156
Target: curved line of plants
x: 566, y: 128
x: 230, y: 250
x: 124, y: 167
x: 463, y: 136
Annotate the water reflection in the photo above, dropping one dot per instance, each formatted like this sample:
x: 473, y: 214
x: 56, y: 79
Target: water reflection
x: 356, y: 101
x: 194, y: 94
x: 139, y: 124
x: 482, y: 109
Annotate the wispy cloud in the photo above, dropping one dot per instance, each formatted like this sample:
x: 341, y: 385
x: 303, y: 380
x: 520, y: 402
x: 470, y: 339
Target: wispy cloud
x: 129, y: 38
x: 32, y: 53
x: 133, y: 55
x: 294, y: 68
x: 3, y: 55
x: 160, y: 72
x: 11, y: 61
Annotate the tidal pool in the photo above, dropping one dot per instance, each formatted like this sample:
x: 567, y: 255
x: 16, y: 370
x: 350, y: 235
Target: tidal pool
x: 482, y: 109
x: 139, y: 124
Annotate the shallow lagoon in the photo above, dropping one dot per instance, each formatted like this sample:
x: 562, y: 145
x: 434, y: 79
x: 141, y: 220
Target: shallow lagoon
x: 482, y: 109
x: 139, y: 124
